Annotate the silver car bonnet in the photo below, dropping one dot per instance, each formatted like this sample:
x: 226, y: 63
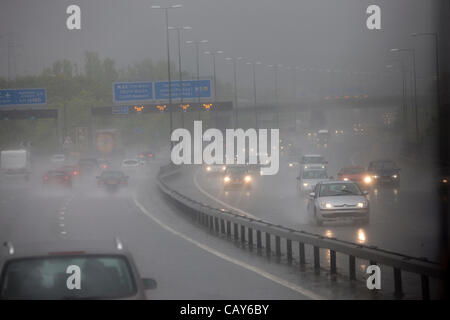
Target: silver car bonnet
x: 344, y: 200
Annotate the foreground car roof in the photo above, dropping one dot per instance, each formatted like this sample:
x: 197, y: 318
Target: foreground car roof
x: 82, y: 247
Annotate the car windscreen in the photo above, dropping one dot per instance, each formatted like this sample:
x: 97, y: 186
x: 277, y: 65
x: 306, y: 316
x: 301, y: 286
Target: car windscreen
x: 237, y: 171
x: 101, y: 277
x: 352, y: 170
x: 112, y: 175
x: 130, y: 162
x: 385, y: 165
x: 56, y: 173
x: 339, y: 189
x: 316, y: 174
x: 313, y: 160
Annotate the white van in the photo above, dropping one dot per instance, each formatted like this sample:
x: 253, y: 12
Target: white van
x: 15, y: 163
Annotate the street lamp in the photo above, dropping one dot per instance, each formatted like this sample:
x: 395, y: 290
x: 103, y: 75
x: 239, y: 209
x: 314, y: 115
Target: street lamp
x: 197, y: 45
x: 166, y: 12
x: 413, y: 53
x: 213, y: 54
x: 436, y: 41
x: 235, y: 60
x: 253, y: 64
x: 275, y: 67
x: 405, y: 107
x: 179, y: 29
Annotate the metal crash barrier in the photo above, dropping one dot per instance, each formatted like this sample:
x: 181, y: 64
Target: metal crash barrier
x: 245, y: 229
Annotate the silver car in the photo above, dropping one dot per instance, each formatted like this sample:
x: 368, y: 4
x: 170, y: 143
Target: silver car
x: 338, y: 200
x: 308, y: 179
x: 49, y: 271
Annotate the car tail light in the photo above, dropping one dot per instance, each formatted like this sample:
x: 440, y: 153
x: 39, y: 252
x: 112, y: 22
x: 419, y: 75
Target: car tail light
x: 75, y: 173
x: 122, y: 182
x: 150, y: 155
x: 101, y: 182
x: 105, y: 166
x: 45, y: 178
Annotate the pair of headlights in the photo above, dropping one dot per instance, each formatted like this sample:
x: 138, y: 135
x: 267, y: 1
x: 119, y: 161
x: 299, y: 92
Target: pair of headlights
x: 327, y: 205
x: 247, y: 179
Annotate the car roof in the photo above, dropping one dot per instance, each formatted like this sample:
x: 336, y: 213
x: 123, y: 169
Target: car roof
x: 62, y: 247
x: 314, y: 169
x: 383, y: 160
x: 312, y: 155
x: 337, y: 182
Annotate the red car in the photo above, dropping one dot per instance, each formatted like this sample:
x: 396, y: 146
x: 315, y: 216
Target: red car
x: 58, y: 177
x: 356, y: 174
x: 73, y: 170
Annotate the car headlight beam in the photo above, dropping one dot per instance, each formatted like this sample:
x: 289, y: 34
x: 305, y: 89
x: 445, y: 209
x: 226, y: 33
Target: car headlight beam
x: 367, y: 179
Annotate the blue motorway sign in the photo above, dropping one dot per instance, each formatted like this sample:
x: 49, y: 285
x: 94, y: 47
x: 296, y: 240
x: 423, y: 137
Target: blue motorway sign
x: 191, y: 89
x: 20, y: 97
x: 132, y: 91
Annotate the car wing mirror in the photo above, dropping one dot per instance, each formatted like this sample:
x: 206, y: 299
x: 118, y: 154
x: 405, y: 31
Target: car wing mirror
x: 149, y: 283
x: 365, y: 192
x: 312, y: 194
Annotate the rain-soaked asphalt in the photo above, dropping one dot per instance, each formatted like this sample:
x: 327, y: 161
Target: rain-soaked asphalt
x: 186, y: 262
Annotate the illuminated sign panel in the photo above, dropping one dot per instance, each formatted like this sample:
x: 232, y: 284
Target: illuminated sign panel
x: 151, y: 108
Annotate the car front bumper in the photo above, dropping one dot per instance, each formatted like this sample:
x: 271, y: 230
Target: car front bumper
x: 342, y: 214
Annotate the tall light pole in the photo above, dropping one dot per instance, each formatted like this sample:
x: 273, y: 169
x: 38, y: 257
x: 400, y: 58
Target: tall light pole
x: 166, y: 12
x: 180, y: 72
x: 213, y: 54
x: 235, y: 60
x: 275, y: 68
x: 404, y: 107
x: 253, y: 64
x: 413, y: 53
x: 436, y: 42
x: 197, y: 45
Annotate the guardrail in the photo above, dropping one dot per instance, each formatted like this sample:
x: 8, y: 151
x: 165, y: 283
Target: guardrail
x: 245, y: 229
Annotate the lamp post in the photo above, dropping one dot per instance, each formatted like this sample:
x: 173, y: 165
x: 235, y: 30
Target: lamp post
x: 413, y: 53
x: 235, y: 60
x: 404, y: 105
x: 179, y: 29
x: 253, y: 64
x: 197, y: 48
x: 275, y: 68
x: 166, y: 13
x: 213, y: 54
x: 436, y: 43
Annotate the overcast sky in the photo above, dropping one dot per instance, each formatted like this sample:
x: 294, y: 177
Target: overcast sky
x: 305, y: 33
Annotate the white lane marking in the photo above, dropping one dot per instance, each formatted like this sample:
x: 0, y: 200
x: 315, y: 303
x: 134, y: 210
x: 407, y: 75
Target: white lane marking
x: 229, y: 206
x: 225, y: 257
x: 63, y: 232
